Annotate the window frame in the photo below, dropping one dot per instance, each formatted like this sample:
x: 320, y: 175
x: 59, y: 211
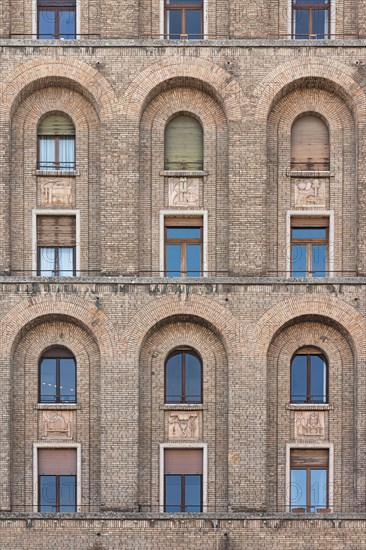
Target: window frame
x: 183, y: 351
x: 310, y: 8
x: 183, y: 486
x: 183, y: 242
x: 162, y: 26
x: 309, y: 351
x: 57, y: 492
x: 35, y: 20
x: 199, y: 6
x: 56, y: 9
x: 309, y: 243
x: 56, y: 165
x: 58, y: 356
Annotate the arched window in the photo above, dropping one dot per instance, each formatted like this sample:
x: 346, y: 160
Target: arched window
x: 57, y: 376
x: 309, y: 144
x: 183, y: 144
x: 56, y: 143
x: 183, y: 377
x: 309, y: 373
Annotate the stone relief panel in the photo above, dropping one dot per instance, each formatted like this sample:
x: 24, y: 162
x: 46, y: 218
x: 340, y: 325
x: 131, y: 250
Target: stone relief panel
x: 310, y: 193
x: 56, y: 424
x: 183, y: 191
x: 309, y: 425
x: 183, y: 426
x: 56, y: 193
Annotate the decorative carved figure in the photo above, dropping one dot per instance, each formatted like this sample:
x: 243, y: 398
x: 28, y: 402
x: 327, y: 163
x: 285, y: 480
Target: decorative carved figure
x: 309, y: 424
x: 56, y: 193
x: 183, y: 426
x: 57, y: 424
x: 310, y: 193
x: 183, y: 192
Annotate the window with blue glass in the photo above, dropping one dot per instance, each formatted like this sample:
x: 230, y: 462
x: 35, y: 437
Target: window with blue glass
x: 311, y: 19
x: 183, y: 480
x: 309, y: 483
x: 57, y: 377
x: 56, y: 19
x: 57, y: 487
x: 183, y: 247
x: 183, y: 19
x: 56, y: 143
x: 309, y: 377
x: 183, y: 377
x: 56, y: 246
x: 309, y: 247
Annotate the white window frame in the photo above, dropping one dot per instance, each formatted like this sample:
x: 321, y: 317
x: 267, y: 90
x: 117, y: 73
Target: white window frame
x: 332, y: 15
x: 317, y: 445
x: 189, y: 214
x: 35, y: 17
x: 36, y: 447
x: 205, y: 19
x: 311, y: 213
x: 182, y: 446
x: 37, y: 212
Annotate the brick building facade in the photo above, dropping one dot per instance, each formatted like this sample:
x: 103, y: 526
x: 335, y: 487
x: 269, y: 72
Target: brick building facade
x: 86, y: 179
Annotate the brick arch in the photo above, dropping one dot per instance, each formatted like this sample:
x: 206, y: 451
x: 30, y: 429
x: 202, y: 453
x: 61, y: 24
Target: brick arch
x: 34, y: 310
x: 335, y: 311
x: 340, y: 77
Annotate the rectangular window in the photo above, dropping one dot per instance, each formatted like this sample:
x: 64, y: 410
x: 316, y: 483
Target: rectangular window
x: 56, y: 19
x: 309, y: 247
x: 56, y: 246
x: 57, y: 480
x: 183, y: 247
x: 309, y: 480
x: 183, y: 480
x: 183, y: 19
x: 310, y: 19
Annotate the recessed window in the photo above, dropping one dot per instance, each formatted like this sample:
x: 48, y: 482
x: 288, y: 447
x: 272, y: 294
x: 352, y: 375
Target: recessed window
x: 56, y: 246
x: 183, y: 19
x: 56, y: 143
x: 309, y: 247
x: 56, y: 19
x: 309, y: 480
x: 183, y: 480
x: 310, y: 144
x: 57, y: 377
x: 183, y: 377
x: 183, y: 144
x: 309, y: 378
x: 183, y: 247
x: 57, y: 480
x: 311, y: 19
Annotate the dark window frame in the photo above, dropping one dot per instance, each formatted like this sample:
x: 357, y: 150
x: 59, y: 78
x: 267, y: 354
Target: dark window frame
x: 191, y: 223
x: 56, y: 8
x: 310, y: 8
x: 182, y: 502
x: 56, y: 164
x: 56, y: 271
x: 309, y: 223
x: 308, y: 352
x: 183, y: 400
x: 58, y: 492
x: 183, y: 8
x: 308, y: 470
x: 56, y: 353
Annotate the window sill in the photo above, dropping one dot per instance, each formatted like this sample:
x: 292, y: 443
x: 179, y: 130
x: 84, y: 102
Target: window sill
x: 57, y: 406
x: 310, y: 173
x: 183, y: 407
x: 184, y: 173
x: 58, y: 173
x: 309, y: 407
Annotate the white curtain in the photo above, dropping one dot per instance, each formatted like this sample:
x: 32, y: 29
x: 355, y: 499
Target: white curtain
x: 47, y: 261
x: 47, y: 152
x: 67, y: 153
x: 66, y: 262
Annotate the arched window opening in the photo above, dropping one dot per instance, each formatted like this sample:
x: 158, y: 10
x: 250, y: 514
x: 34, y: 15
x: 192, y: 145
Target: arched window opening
x: 57, y: 376
x: 183, y: 377
x: 183, y: 144
x: 310, y: 144
x: 309, y: 373
x: 56, y: 143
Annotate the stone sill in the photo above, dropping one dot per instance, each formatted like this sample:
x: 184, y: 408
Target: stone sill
x: 310, y: 173
x: 57, y: 173
x: 183, y: 407
x: 58, y: 406
x: 184, y: 173
x: 309, y: 407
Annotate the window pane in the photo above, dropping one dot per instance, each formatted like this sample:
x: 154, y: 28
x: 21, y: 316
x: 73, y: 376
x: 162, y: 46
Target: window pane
x: 47, y: 494
x: 183, y: 232
x: 67, y: 152
x: 47, y: 152
x: 184, y: 2
x: 46, y: 24
x: 47, y: 386
x: 183, y: 144
x: 319, y: 260
x: 47, y: 262
x: 193, y: 379
x: 318, y: 489
x: 173, y: 260
x: 320, y: 22
x: 67, y: 24
x: 193, y: 252
x: 174, y: 24
x: 173, y: 493
x: 193, y: 23
x: 318, y: 379
x: 301, y: 24
x: 298, y: 489
x: 66, y: 261
x: 310, y: 2
x: 309, y: 233
x: 298, y: 260
x: 299, y: 379
x: 173, y: 388
x: 192, y: 489
x: 67, y: 380
x: 67, y: 493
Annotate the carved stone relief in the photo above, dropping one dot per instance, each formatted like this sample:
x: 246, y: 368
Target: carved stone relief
x: 56, y: 424
x: 184, y: 426
x: 310, y: 193
x: 184, y: 192
x: 309, y: 424
x: 56, y: 193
